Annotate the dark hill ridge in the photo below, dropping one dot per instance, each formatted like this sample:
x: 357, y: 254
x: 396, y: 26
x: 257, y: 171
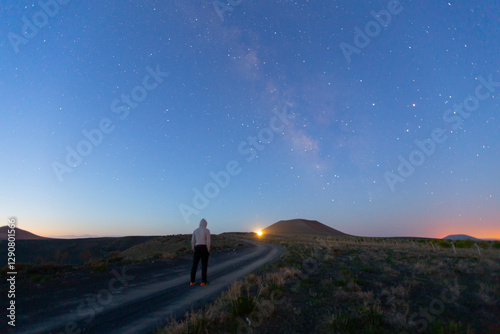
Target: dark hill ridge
x: 301, y: 226
x: 461, y: 237
x: 20, y: 234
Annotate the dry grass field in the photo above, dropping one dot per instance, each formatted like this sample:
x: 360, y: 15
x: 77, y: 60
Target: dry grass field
x: 327, y: 284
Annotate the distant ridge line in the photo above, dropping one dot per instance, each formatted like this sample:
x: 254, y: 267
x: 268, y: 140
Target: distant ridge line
x: 461, y: 237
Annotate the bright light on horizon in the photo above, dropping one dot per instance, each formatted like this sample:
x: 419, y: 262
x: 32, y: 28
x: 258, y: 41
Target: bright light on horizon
x: 259, y: 233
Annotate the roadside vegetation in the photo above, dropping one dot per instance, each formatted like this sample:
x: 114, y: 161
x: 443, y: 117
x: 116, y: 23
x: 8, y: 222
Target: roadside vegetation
x: 360, y: 285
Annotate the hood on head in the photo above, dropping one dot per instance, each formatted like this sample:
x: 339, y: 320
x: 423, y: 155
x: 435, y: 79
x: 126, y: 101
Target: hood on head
x: 203, y: 223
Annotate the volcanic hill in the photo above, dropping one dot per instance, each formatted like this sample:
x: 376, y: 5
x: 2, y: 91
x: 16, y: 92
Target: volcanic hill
x: 461, y: 237
x: 301, y: 226
x: 20, y: 234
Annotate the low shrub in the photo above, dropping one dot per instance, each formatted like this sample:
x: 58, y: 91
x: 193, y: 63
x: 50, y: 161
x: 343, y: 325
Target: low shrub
x: 242, y: 306
x: 97, y: 265
x: 483, y: 244
x: 444, y: 243
x: 464, y: 243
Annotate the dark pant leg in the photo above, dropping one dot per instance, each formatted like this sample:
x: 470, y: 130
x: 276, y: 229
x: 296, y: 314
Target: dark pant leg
x: 196, y: 259
x: 204, y: 264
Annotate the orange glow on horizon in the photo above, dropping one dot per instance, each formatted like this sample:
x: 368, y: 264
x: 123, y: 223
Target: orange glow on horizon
x: 445, y: 227
x: 438, y: 227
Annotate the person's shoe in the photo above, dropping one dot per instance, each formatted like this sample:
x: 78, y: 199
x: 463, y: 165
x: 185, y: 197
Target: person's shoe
x: 192, y: 283
x: 204, y: 283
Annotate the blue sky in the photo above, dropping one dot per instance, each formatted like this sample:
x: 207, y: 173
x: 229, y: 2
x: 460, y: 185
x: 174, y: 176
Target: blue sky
x: 169, y: 92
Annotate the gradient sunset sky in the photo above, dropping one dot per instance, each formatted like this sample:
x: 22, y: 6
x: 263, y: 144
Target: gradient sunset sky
x: 377, y: 118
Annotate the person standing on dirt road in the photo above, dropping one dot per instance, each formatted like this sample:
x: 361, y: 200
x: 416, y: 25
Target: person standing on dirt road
x: 200, y: 243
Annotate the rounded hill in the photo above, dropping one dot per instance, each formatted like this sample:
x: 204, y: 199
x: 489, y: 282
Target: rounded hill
x: 301, y: 226
x: 19, y: 233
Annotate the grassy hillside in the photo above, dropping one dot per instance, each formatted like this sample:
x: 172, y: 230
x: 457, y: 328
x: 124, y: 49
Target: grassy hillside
x: 41, y: 260
x: 75, y: 252
x: 361, y: 285
x: 169, y: 247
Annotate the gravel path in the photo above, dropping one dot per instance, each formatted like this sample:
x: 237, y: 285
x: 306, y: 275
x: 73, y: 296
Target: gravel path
x: 134, y: 299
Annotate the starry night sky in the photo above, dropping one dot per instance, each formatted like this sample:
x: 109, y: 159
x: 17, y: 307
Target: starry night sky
x: 117, y: 116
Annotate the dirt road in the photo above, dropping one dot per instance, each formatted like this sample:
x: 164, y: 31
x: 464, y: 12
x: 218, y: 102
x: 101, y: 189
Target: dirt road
x: 134, y: 299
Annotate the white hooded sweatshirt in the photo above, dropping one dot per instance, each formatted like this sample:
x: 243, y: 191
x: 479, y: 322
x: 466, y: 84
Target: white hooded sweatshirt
x: 201, y: 236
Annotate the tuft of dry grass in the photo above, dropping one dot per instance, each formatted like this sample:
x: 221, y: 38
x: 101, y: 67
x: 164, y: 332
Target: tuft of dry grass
x: 234, y: 308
